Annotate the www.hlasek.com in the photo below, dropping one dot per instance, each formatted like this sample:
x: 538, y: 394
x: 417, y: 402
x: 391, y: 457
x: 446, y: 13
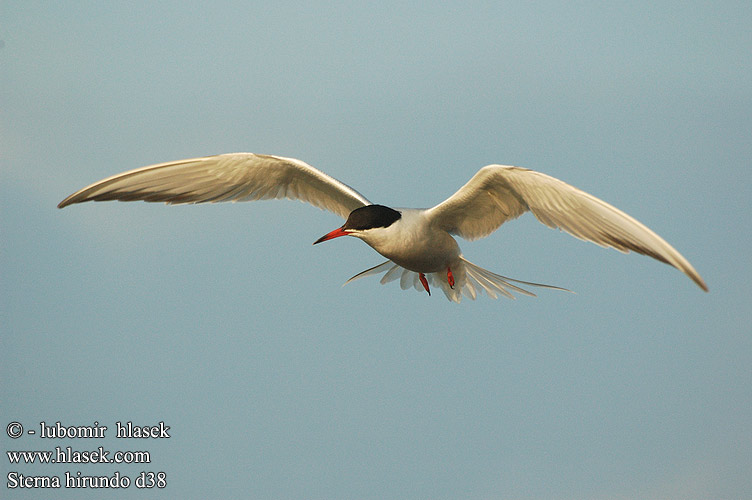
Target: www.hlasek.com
x: 68, y: 455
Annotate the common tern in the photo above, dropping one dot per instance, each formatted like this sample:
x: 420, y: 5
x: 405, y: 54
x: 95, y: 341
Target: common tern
x: 418, y: 243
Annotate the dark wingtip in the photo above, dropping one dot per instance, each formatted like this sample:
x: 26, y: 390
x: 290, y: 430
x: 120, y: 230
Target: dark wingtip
x: 70, y: 200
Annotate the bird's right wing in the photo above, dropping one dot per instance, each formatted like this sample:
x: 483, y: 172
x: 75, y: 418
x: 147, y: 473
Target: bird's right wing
x: 226, y: 177
x: 498, y: 193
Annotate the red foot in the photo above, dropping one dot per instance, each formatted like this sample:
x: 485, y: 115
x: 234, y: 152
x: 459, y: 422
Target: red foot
x: 450, y: 278
x: 424, y: 282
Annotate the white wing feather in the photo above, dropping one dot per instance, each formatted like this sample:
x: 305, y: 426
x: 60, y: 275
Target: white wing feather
x: 497, y: 194
x: 227, y: 177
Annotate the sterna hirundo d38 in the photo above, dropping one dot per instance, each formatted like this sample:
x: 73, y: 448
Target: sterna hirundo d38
x: 418, y: 243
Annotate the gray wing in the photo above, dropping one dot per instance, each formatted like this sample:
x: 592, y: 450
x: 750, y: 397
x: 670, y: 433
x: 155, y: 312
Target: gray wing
x: 497, y: 194
x: 227, y: 177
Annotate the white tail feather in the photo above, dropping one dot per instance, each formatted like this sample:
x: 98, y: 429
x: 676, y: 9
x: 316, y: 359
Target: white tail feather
x: 469, y: 280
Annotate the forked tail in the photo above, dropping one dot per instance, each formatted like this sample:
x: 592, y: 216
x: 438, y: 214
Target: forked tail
x: 469, y: 280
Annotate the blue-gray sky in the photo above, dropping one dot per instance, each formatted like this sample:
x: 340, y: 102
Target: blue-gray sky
x: 224, y: 322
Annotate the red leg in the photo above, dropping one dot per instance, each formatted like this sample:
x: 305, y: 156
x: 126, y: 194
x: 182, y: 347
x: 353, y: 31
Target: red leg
x: 424, y: 282
x: 450, y: 278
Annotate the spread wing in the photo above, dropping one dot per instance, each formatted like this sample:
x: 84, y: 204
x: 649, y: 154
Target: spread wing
x: 497, y: 194
x: 227, y: 177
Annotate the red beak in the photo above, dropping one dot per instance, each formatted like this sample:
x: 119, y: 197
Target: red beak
x: 334, y: 234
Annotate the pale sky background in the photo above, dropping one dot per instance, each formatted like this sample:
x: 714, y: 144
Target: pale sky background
x: 225, y: 323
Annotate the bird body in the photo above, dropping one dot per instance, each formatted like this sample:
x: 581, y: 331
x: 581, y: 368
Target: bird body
x: 418, y: 243
x: 414, y: 242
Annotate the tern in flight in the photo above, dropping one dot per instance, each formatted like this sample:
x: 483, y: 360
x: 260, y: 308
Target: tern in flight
x: 418, y: 243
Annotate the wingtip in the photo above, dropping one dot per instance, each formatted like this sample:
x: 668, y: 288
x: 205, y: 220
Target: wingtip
x: 70, y: 200
x: 694, y: 276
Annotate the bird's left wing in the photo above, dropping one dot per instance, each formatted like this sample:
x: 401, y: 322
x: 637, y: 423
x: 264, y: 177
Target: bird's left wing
x: 226, y: 177
x: 497, y: 194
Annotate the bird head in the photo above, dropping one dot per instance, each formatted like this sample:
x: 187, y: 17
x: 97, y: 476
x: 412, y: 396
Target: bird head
x: 363, y: 219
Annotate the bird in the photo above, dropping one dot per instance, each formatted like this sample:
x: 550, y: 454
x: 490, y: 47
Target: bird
x: 419, y: 244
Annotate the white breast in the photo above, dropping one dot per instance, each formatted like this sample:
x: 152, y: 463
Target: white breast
x: 413, y: 243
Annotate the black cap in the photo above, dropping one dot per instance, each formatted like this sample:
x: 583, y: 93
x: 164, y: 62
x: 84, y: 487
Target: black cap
x: 371, y: 216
